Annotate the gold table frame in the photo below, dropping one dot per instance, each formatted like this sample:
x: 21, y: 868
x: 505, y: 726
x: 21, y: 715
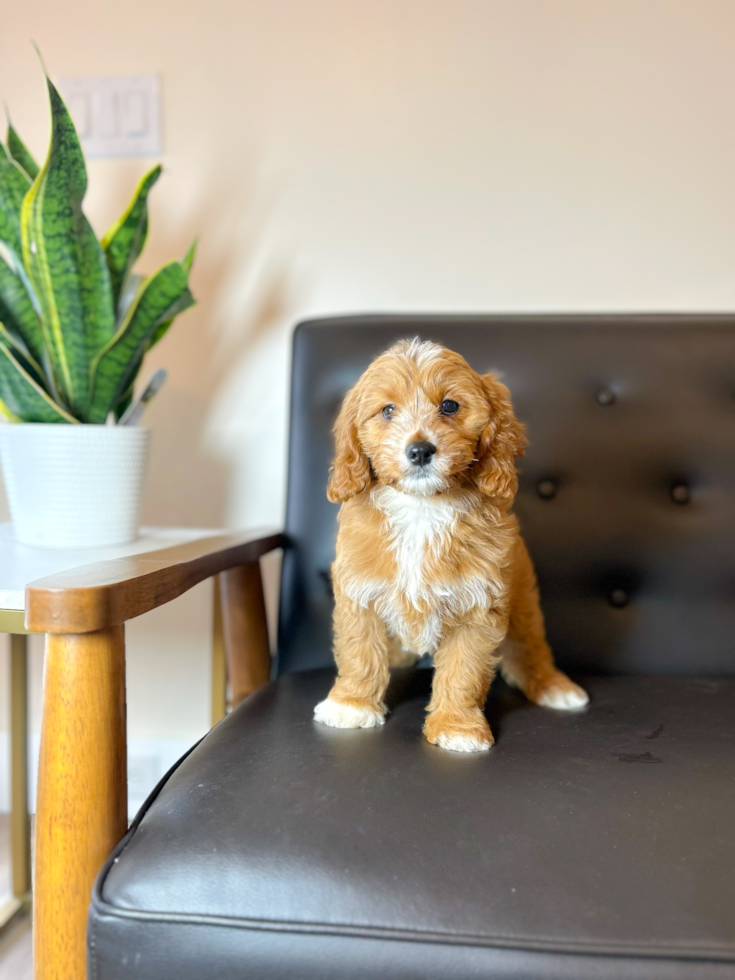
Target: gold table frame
x: 11, y: 621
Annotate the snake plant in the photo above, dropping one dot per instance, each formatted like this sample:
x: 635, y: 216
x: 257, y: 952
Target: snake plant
x: 75, y: 320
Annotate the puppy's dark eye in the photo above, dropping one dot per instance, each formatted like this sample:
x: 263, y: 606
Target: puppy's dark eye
x: 449, y: 407
x: 388, y: 411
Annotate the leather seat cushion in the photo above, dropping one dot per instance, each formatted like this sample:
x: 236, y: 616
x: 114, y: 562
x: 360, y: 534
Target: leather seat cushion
x: 598, y: 843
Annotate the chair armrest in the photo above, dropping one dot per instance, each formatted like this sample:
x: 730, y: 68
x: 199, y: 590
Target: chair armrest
x: 108, y: 593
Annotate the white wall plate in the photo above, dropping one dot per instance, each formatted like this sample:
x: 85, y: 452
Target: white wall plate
x: 115, y: 115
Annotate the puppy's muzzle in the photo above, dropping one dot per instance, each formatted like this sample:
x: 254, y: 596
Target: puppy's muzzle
x: 420, y: 453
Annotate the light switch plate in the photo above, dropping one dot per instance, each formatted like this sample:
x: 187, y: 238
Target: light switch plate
x: 115, y: 115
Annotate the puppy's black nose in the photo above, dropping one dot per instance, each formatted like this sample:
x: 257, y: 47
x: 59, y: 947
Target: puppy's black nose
x: 420, y: 453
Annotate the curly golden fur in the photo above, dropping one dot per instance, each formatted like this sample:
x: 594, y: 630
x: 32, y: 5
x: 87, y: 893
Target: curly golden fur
x: 429, y: 557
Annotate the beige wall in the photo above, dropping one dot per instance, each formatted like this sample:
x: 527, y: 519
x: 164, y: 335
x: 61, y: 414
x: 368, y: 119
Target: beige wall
x: 339, y: 155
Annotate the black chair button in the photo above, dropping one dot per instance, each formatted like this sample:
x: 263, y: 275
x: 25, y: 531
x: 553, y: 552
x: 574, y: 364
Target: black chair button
x: 680, y: 494
x: 605, y: 396
x: 619, y: 598
x: 546, y: 489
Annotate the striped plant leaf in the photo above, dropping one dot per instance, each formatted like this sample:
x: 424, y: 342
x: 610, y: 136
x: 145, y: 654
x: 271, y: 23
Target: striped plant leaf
x: 129, y: 295
x: 20, y: 352
x: 17, y: 310
x: 124, y: 404
x: 124, y: 242
x: 22, y: 396
x: 14, y: 183
x: 66, y: 264
x: 7, y: 414
x: 131, y: 374
x: 18, y: 314
x: 187, y: 263
x: 20, y: 154
x: 75, y: 321
x: 161, y: 298
x: 127, y: 383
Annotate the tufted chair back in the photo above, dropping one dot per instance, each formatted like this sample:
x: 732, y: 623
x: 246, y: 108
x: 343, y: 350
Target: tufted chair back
x: 627, y: 489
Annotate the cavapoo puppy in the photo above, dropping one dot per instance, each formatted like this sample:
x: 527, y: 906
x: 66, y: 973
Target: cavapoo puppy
x: 429, y: 557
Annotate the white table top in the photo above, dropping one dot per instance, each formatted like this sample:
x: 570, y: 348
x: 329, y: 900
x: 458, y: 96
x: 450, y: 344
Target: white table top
x: 20, y: 565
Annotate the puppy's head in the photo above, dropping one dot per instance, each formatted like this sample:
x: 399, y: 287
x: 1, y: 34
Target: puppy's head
x: 421, y: 420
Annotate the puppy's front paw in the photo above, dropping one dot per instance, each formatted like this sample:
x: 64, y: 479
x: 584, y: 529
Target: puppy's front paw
x: 561, y: 694
x: 459, y: 733
x: 339, y: 715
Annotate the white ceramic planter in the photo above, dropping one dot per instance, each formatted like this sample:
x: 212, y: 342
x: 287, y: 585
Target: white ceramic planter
x: 74, y: 486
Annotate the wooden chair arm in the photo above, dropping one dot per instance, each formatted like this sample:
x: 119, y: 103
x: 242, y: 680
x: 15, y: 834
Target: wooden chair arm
x: 81, y: 810
x: 107, y: 593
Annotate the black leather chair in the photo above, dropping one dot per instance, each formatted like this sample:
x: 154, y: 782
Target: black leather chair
x: 597, y: 844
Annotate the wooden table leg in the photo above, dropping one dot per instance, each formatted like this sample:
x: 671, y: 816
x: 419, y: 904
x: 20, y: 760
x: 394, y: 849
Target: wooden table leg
x: 219, y: 663
x: 81, y: 808
x: 245, y: 629
x: 20, y: 825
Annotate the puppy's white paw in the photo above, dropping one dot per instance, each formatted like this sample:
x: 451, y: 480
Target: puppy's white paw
x: 462, y: 743
x: 337, y: 715
x: 564, y: 698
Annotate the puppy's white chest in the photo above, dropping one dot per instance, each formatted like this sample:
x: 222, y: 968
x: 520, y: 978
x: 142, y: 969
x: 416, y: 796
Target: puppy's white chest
x: 417, y: 525
x: 417, y: 602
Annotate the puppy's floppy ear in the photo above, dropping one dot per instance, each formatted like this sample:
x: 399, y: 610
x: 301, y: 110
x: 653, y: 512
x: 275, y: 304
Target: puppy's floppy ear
x: 350, y: 471
x: 501, y: 441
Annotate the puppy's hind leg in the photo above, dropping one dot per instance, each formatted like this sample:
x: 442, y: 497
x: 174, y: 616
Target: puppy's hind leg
x: 527, y: 661
x: 361, y: 653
